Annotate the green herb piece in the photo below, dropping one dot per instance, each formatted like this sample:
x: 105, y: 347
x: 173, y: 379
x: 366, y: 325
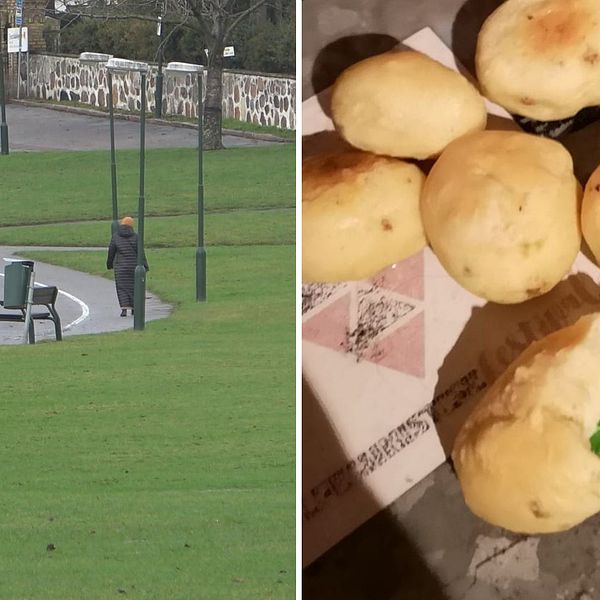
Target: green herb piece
x: 595, y: 440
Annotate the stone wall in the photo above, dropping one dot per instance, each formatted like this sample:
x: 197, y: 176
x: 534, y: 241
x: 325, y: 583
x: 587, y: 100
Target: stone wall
x: 250, y: 97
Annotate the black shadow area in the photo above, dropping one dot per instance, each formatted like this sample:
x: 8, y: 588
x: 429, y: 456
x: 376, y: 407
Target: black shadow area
x: 465, y: 29
x: 344, y: 52
x: 584, y: 147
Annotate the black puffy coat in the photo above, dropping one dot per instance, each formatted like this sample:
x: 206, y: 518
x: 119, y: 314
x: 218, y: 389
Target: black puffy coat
x: 122, y: 255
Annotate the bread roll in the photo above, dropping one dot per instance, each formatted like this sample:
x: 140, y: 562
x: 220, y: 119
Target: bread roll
x: 404, y: 104
x: 590, y: 214
x: 541, y: 58
x: 523, y: 457
x: 360, y: 213
x: 501, y: 212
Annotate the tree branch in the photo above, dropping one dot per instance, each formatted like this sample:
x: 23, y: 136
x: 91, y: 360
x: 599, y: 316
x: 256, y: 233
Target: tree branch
x: 242, y: 15
x: 116, y: 17
x: 202, y: 27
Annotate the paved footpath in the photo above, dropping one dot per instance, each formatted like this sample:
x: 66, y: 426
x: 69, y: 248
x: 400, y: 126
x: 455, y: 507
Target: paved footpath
x: 86, y: 303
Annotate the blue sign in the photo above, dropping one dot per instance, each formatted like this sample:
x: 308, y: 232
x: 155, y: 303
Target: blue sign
x: 19, y: 13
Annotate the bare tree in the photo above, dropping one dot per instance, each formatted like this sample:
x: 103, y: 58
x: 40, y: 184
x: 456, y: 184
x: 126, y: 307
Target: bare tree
x: 212, y: 20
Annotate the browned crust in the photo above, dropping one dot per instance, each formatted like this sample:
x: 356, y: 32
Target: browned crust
x: 556, y: 26
x: 329, y: 170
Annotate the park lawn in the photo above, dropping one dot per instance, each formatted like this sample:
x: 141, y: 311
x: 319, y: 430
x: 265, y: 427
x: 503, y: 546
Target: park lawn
x: 235, y: 124
x: 75, y: 186
x: 156, y: 464
x: 235, y: 227
x: 159, y: 464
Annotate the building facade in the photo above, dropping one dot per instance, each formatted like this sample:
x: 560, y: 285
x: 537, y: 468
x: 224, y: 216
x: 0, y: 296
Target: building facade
x: 34, y: 18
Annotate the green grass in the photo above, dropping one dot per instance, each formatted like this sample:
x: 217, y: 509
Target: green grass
x: 286, y: 134
x: 227, y: 228
x: 157, y: 440
x: 159, y: 464
x: 75, y: 186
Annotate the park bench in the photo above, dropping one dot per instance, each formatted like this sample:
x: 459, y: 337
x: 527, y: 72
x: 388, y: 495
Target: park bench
x: 23, y: 311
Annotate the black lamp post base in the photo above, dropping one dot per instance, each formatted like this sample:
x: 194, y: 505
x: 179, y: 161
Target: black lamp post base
x: 200, y: 274
x: 3, y: 138
x: 139, y: 298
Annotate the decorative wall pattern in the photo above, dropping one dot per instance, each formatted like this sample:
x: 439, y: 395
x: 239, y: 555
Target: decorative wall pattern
x: 250, y: 97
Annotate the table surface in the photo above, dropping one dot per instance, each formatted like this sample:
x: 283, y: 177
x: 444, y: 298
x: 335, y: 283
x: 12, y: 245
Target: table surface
x: 427, y: 545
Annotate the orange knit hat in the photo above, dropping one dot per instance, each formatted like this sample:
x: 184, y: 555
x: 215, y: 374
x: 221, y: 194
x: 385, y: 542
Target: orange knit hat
x: 127, y: 221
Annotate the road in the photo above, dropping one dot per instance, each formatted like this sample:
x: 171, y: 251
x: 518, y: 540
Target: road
x: 37, y: 128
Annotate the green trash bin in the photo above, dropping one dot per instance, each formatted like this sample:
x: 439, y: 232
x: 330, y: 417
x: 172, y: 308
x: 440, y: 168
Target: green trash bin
x: 16, y: 283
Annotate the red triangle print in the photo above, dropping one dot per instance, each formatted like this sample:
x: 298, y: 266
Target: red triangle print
x: 405, y: 277
x: 392, y: 352
x: 329, y: 326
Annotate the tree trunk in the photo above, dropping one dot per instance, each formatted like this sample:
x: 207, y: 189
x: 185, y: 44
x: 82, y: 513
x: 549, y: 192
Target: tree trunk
x: 262, y: 14
x: 212, y: 108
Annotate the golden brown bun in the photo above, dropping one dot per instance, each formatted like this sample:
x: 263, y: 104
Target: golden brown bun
x: 500, y: 210
x: 590, y: 214
x: 404, y: 104
x: 541, y: 58
x: 360, y: 213
x: 523, y: 456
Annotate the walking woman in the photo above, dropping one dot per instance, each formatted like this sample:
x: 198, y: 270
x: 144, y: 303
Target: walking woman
x: 122, y: 254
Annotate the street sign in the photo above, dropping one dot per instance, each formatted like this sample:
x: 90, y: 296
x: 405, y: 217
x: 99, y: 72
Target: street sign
x: 18, y: 13
x: 227, y: 51
x: 13, y: 40
x: 159, y: 27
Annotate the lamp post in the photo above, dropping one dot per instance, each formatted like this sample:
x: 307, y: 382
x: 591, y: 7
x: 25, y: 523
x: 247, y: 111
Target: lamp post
x: 95, y: 58
x: 119, y: 65
x: 3, y: 125
x: 158, y: 92
x: 178, y: 68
